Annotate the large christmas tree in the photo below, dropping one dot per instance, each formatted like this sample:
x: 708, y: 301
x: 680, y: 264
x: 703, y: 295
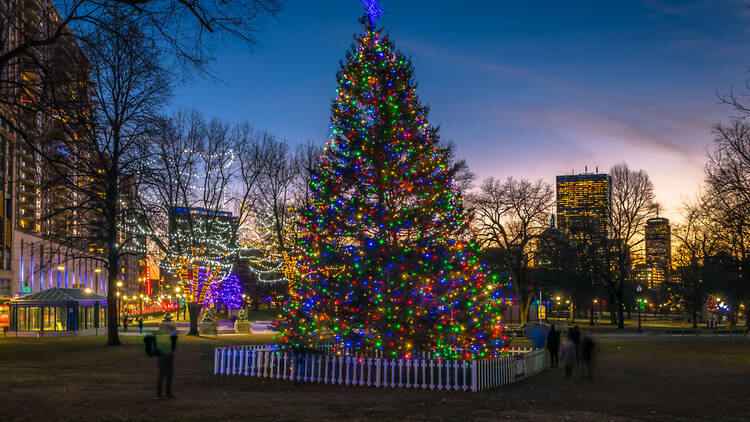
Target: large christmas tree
x: 387, y: 263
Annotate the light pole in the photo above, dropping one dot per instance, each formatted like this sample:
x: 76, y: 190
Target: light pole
x: 638, y: 290
x: 97, y: 271
x: 119, y: 303
x: 60, y: 269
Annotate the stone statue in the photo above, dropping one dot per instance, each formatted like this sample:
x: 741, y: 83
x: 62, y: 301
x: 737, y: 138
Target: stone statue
x: 210, y: 315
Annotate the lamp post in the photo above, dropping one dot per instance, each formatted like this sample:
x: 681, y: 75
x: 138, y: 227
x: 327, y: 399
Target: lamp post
x: 638, y: 290
x: 119, y: 303
x: 97, y: 271
x: 60, y: 269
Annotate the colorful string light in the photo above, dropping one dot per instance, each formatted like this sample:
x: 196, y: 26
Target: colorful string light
x: 386, y: 260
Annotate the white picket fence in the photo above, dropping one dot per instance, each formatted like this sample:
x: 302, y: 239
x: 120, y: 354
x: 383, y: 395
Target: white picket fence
x: 441, y: 374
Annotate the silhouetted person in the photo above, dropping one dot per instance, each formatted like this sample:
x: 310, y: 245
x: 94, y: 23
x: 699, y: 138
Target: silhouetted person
x: 165, y: 363
x: 568, y: 356
x: 125, y: 323
x: 140, y: 325
x: 587, y: 350
x: 575, y: 337
x: 553, y: 345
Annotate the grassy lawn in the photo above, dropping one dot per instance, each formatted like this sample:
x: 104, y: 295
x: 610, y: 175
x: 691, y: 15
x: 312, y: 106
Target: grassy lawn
x: 636, y: 379
x: 650, y: 325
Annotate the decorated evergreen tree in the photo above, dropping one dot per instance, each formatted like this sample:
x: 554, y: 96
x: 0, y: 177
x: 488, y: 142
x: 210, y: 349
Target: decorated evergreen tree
x: 386, y: 258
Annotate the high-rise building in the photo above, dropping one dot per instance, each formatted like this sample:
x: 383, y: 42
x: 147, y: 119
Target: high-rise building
x: 658, y: 241
x: 33, y: 214
x: 584, y: 203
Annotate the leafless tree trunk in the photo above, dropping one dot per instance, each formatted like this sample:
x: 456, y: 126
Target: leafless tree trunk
x: 509, y: 216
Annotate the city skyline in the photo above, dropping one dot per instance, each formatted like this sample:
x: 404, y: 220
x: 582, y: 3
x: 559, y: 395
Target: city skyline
x: 510, y: 82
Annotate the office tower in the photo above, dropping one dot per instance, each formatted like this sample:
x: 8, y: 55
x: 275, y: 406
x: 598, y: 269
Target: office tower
x: 584, y: 203
x: 658, y: 241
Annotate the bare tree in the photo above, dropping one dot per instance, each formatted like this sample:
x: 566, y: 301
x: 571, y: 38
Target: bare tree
x: 185, y: 28
x: 31, y: 52
x: 509, y: 216
x: 93, y: 161
x: 697, y: 241
x: 192, y: 178
x: 44, y: 78
x: 728, y: 196
x: 633, y: 202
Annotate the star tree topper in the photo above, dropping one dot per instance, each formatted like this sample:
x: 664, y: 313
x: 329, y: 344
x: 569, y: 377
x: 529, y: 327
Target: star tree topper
x: 373, y: 10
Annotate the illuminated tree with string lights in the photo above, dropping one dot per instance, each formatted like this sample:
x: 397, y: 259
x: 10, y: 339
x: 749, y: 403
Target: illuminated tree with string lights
x: 387, y: 262
x: 230, y: 292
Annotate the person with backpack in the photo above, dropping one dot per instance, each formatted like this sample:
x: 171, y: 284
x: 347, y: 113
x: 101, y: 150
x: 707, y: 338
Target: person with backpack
x: 164, y: 363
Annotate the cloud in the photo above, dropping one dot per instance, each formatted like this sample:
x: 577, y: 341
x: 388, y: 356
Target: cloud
x: 643, y: 132
x: 445, y: 55
x: 676, y: 8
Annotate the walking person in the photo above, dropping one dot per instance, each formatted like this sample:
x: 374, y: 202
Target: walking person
x: 568, y: 356
x: 140, y: 325
x: 575, y: 337
x: 587, y: 357
x: 553, y: 346
x: 164, y: 363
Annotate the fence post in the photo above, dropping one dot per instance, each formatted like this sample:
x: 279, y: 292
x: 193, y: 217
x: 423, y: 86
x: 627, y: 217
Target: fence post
x: 340, y: 361
x: 277, y: 359
x: 440, y: 374
x: 400, y: 364
x: 326, y: 377
x: 369, y: 371
x: 285, y: 375
x: 293, y: 368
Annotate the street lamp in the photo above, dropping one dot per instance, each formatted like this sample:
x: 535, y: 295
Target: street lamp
x: 638, y: 290
x: 119, y: 303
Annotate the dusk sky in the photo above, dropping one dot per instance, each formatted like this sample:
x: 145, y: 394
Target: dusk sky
x: 527, y: 90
